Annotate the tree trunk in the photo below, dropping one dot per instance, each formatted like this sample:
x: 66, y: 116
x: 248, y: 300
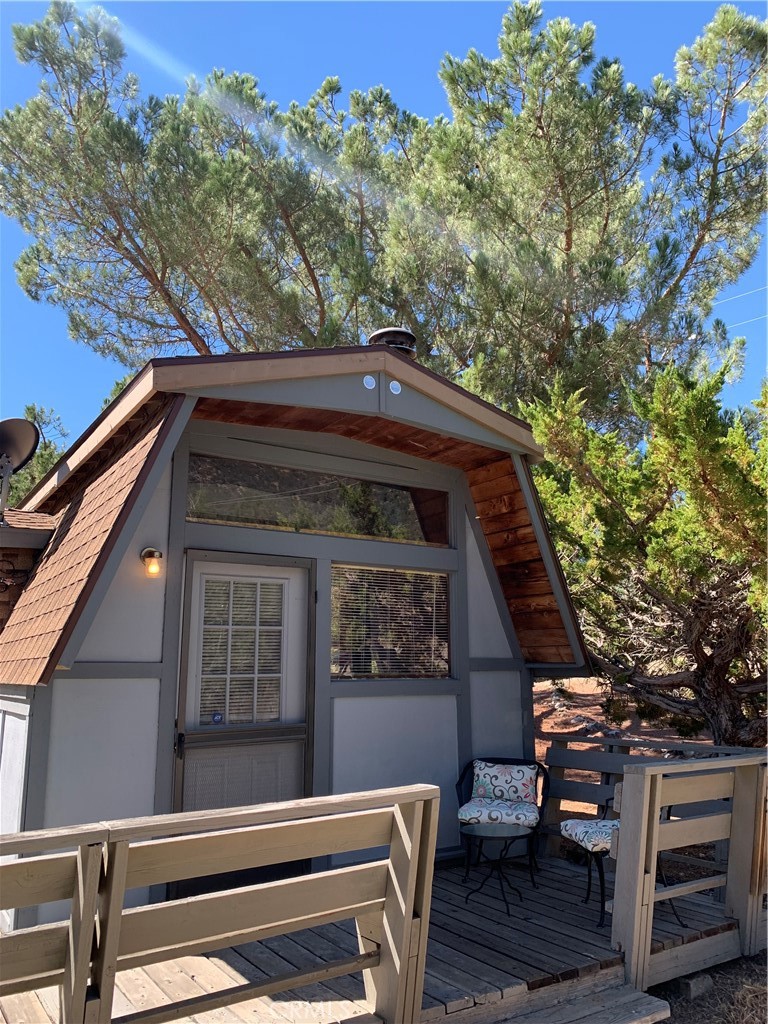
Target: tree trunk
x: 721, y: 709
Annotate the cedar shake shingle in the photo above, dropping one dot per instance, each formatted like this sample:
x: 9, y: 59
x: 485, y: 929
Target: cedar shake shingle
x: 66, y: 571
x: 21, y: 520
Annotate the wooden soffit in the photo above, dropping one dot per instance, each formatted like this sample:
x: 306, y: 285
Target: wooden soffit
x: 537, y: 604
x: 194, y: 375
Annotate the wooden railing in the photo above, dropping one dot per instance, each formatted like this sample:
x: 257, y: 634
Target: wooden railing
x: 603, y: 762
x: 736, y: 787
x: 606, y: 756
x: 388, y: 897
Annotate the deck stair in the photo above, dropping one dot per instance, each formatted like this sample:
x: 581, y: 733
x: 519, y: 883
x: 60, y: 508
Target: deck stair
x: 623, y: 1005
x: 603, y: 998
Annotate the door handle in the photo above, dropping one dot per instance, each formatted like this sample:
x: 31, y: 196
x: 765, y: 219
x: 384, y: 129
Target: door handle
x: 179, y: 745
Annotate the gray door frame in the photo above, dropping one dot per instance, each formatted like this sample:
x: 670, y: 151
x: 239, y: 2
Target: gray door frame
x: 249, y: 734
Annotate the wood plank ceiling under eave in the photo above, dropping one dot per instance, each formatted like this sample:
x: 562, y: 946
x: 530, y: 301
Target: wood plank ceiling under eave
x: 499, y: 500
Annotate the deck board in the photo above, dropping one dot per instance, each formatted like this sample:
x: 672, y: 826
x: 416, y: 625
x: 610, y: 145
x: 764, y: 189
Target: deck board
x: 24, y: 1008
x: 543, y: 918
x: 213, y: 974
x: 480, y: 960
x: 317, y: 1002
x: 49, y: 997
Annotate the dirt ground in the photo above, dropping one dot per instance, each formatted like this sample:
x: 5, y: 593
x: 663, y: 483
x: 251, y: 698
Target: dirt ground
x: 739, y: 994
x: 574, y: 707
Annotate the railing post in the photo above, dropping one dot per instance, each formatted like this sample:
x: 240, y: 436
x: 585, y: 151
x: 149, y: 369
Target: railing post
x: 744, y: 885
x: 421, y: 907
x: 82, y: 925
x: 616, y: 746
x: 390, y: 978
x: 553, y: 810
x: 114, y: 867
x: 758, y: 930
x: 633, y: 892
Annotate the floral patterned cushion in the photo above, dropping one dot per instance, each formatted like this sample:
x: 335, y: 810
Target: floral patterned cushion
x: 593, y: 835
x: 486, y: 812
x: 515, y: 783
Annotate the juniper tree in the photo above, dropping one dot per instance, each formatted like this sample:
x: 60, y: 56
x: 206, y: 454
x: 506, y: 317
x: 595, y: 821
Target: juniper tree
x: 664, y: 549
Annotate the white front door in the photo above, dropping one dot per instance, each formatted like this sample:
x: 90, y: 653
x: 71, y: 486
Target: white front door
x: 245, y: 704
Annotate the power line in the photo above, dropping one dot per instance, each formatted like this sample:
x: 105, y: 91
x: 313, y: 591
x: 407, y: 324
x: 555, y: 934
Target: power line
x: 741, y: 323
x: 741, y: 296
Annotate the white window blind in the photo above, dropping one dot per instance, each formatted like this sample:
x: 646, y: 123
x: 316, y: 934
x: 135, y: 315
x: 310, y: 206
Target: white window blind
x: 389, y: 623
x: 241, y: 651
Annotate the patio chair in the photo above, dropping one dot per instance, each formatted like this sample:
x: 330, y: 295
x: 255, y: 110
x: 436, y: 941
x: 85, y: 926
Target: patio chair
x: 502, y: 790
x: 594, y: 836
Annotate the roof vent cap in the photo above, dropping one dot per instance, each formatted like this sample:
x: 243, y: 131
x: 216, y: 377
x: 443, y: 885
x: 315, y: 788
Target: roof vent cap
x: 398, y: 338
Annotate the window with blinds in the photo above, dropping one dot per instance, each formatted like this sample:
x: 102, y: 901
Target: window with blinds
x: 389, y: 623
x: 241, y: 650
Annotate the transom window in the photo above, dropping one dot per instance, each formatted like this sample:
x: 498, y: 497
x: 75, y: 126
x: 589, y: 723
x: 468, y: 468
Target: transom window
x: 389, y: 623
x: 241, y: 650
x: 240, y: 493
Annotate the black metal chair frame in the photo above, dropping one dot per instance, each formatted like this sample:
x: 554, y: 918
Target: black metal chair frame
x: 464, y: 792
x: 598, y: 858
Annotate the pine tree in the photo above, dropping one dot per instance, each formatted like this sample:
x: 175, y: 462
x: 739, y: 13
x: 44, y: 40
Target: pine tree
x: 599, y: 220
x: 561, y: 222
x: 49, y: 450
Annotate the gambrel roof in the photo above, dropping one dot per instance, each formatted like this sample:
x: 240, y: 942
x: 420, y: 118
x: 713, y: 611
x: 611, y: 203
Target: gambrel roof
x: 369, y: 394
x: 86, y: 525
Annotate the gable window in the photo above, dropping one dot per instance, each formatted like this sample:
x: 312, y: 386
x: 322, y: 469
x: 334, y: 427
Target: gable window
x: 240, y: 493
x: 241, y: 650
x: 389, y: 623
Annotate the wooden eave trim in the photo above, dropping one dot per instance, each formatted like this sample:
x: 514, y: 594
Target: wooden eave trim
x: 195, y: 372
x: 26, y: 538
x: 176, y: 404
x: 183, y: 374
x: 136, y: 394
x: 559, y: 583
x: 179, y: 376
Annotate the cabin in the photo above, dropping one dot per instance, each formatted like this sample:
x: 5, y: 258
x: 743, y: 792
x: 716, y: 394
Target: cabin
x: 270, y: 588
x: 266, y: 577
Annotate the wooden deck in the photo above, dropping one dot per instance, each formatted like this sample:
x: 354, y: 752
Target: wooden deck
x: 482, y: 965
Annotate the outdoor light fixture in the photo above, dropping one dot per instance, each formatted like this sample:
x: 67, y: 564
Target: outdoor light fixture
x: 151, y: 559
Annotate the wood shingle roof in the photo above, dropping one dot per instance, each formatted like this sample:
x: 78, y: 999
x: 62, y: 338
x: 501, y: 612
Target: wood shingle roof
x: 41, y: 620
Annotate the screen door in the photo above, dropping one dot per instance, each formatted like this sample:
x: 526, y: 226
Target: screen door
x: 244, y: 712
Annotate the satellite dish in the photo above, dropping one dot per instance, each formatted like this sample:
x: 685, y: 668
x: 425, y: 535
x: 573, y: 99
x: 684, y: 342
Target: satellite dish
x: 18, y: 443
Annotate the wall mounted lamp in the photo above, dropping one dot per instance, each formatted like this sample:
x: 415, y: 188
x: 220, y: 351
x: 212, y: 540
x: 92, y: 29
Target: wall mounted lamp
x: 151, y: 559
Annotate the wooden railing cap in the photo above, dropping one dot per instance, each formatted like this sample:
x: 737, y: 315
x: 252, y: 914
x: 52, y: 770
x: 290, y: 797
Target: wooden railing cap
x: 691, y: 766
x: 46, y: 839
x: 641, y: 741
x: 125, y: 829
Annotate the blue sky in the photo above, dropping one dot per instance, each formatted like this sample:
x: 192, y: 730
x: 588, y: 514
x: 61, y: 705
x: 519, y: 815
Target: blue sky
x: 291, y: 47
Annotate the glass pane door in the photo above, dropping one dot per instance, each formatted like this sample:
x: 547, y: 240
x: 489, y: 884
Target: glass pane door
x: 246, y: 693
